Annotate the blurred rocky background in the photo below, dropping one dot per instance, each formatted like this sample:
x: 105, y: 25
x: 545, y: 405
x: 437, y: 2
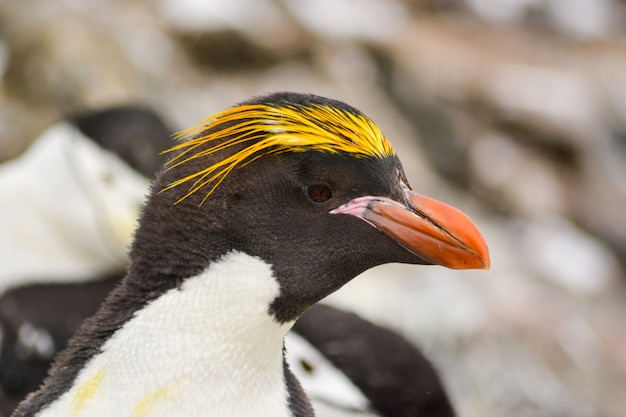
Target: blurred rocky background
x: 512, y: 110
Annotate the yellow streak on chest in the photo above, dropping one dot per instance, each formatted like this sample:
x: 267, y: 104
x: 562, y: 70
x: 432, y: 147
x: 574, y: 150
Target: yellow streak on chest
x: 87, y: 390
x: 146, y: 404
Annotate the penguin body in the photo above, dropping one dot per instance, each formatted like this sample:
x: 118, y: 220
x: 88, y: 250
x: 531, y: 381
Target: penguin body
x: 79, y: 173
x: 331, y: 392
x: 265, y: 210
x: 74, y: 197
x: 216, y: 348
x: 391, y: 376
x: 331, y: 352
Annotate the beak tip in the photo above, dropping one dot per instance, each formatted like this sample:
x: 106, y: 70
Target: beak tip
x: 468, y: 248
x: 479, y: 250
x: 486, y: 265
x: 467, y: 260
x: 483, y: 254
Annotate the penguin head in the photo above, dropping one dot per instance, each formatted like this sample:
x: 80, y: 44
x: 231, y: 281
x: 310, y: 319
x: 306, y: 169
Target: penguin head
x: 307, y: 184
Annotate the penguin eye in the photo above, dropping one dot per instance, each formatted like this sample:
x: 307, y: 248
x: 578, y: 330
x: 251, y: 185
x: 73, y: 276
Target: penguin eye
x: 318, y: 193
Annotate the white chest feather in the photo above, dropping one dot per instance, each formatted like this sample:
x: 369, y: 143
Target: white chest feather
x: 208, y: 349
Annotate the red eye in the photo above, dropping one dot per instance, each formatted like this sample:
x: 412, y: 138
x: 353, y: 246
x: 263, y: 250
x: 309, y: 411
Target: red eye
x: 318, y: 193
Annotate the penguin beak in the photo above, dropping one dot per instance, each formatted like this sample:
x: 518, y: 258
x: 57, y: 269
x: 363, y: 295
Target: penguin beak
x: 430, y: 229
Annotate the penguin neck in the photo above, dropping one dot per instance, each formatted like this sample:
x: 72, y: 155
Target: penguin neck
x: 208, y: 345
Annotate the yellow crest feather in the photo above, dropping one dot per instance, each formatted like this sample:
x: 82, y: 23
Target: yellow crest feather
x: 271, y: 129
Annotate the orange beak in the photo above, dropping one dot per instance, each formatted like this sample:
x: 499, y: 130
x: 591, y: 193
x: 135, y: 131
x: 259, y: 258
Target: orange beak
x: 430, y: 229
